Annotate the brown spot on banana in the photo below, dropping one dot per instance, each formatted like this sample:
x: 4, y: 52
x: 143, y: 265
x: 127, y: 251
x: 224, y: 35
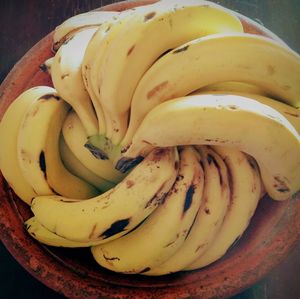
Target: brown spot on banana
x: 92, y: 231
x: 149, y: 16
x: 158, y: 88
x: 115, y: 228
x: 64, y: 76
x: 271, y: 70
x: 281, y: 185
x: 188, y: 198
x: 179, y: 50
x: 111, y: 258
x: 129, y: 183
x: 42, y: 163
x: 130, y: 50
x: 145, y: 270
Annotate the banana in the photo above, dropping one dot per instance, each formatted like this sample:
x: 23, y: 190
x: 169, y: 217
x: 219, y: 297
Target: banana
x: 245, y: 194
x: 216, y: 196
x: 217, y: 58
x: 9, y: 128
x: 137, y: 44
x: 114, y: 213
x: 228, y: 120
x: 67, y: 78
x: 77, y: 168
x: 163, y: 232
x: 41, y: 234
x: 92, y: 61
x: 38, y: 150
x: 290, y: 113
x: 75, y: 137
x: 77, y: 23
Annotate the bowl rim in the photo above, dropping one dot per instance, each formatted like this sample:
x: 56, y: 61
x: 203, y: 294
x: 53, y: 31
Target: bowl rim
x: 69, y: 283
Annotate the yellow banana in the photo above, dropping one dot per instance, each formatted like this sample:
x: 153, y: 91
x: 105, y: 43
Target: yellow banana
x: 217, y: 58
x: 9, y: 129
x: 67, y: 78
x: 79, y: 22
x: 216, y: 198
x: 77, y: 168
x: 75, y: 137
x: 116, y: 212
x: 137, y: 44
x: 41, y: 234
x: 228, y: 120
x: 163, y: 232
x: 38, y: 150
x: 292, y: 114
x: 245, y: 194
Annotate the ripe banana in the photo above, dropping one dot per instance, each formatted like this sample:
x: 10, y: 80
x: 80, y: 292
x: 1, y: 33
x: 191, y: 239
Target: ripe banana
x: 137, y: 44
x: 77, y: 23
x: 292, y: 114
x: 163, y: 232
x: 92, y: 61
x: 41, y: 234
x: 67, y: 78
x: 116, y: 212
x: 9, y: 129
x: 75, y: 137
x: 245, y: 194
x: 77, y: 168
x: 228, y: 120
x: 38, y: 150
x: 216, y: 198
x: 217, y: 58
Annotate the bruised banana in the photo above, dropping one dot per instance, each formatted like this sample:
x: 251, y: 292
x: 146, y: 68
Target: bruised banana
x: 216, y: 198
x: 41, y: 234
x: 292, y: 114
x: 217, y: 58
x: 137, y: 45
x: 163, y: 232
x: 67, y: 78
x: 116, y: 212
x: 38, y: 150
x: 245, y: 194
x: 75, y: 137
x: 228, y: 120
x: 77, y: 23
x: 77, y: 168
x: 9, y: 129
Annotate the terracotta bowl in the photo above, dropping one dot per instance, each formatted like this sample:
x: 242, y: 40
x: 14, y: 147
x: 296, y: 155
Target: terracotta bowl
x: 273, y: 231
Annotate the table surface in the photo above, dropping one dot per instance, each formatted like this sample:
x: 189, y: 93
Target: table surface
x: 23, y: 23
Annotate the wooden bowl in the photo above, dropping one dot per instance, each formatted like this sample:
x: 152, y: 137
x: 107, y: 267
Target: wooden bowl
x: 273, y: 231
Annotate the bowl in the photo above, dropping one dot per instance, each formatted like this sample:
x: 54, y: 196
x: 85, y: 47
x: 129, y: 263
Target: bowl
x: 272, y: 233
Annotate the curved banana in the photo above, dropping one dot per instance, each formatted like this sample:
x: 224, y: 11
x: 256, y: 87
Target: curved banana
x: 41, y: 234
x: 292, y: 114
x: 137, y: 44
x: 75, y: 137
x: 230, y: 120
x: 77, y: 168
x: 38, y: 150
x: 116, y: 212
x: 217, y: 58
x: 67, y: 78
x: 92, y: 63
x: 216, y: 199
x: 163, y: 232
x: 9, y: 129
x: 79, y: 22
x: 246, y: 190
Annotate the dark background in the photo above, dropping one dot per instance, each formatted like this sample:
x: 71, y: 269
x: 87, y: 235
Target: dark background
x: 23, y: 23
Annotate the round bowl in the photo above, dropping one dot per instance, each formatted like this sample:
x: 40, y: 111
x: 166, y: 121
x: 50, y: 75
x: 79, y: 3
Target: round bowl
x: 272, y: 233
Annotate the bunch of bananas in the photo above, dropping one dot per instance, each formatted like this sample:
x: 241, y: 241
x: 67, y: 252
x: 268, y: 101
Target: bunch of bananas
x: 166, y: 125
